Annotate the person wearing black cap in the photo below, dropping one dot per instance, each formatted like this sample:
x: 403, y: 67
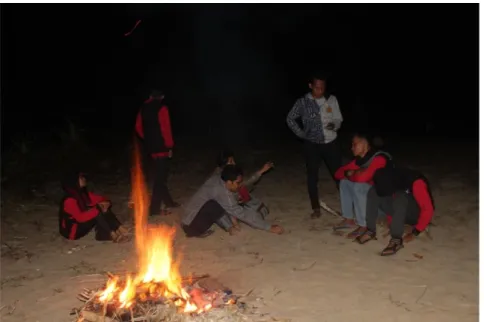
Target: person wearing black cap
x: 405, y: 196
x: 81, y: 211
x: 154, y: 127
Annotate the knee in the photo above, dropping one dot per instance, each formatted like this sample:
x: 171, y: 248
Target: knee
x: 371, y: 195
x: 346, y: 184
x: 400, y: 200
x: 361, y: 188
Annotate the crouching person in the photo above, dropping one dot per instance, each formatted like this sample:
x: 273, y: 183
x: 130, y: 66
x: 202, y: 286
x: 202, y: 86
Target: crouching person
x: 244, y: 196
x: 356, y: 179
x: 81, y: 211
x: 215, y: 202
x: 405, y: 196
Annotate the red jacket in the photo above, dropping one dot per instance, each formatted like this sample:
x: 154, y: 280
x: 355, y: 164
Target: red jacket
x: 165, y: 127
x: 71, y: 208
x: 365, y: 175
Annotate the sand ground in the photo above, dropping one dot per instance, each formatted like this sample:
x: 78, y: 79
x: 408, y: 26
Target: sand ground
x: 307, y: 274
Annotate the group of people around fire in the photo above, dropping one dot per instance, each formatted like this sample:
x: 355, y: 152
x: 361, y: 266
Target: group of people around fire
x: 370, y: 185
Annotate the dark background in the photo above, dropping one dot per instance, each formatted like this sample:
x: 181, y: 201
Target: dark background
x: 402, y: 70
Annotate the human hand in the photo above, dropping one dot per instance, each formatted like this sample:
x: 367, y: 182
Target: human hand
x: 349, y: 173
x: 276, y: 229
x: 233, y: 231
x: 330, y: 126
x: 235, y: 224
x: 170, y: 154
x: 266, y: 167
x: 408, y: 237
x: 104, y: 205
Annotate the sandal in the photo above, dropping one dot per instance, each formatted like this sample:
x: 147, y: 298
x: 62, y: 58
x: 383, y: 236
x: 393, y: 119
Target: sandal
x: 122, y: 239
x: 393, y: 247
x: 366, y: 237
x: 356, y: 233
x: 345, y: 224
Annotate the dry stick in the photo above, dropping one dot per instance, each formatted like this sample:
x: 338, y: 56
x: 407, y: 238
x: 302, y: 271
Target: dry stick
x: 304, y: 269
x: 105, y: 308
x: 423, y: 293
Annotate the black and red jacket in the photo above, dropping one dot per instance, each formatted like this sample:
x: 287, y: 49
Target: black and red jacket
x: 154, y: 126
x: 413, y: 183
x: 78, y: 206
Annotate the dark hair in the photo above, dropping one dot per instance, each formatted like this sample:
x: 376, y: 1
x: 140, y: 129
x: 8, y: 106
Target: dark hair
x: 318, y: 75
x: 155, y: 93
x: 231, y: 172
x: 223, y: 157
x: 373, y: 141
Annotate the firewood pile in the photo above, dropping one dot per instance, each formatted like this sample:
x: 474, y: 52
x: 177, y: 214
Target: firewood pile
x: 153, y: 304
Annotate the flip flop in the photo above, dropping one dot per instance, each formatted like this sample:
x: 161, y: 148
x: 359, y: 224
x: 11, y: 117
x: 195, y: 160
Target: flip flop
x: 355, y: 233
x: 344, y: 225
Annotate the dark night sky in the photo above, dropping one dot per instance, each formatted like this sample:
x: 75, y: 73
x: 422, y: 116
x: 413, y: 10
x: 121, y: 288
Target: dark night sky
x: 396, y: 65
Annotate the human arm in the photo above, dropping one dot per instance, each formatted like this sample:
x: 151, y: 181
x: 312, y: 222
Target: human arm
x: 294, y: 114
x: 72, y: 208
x: 366, y: 175
x: 139, y: 126
x: 422, y: 197
x: 337, y: 116
x: 228, y: 202
x: 99, y: 200
x: 165, y: 126
x: 340, y: 174
x: 257, y: 175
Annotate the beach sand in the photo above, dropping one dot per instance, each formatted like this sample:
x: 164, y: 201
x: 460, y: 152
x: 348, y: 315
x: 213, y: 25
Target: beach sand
x: 307, y: 274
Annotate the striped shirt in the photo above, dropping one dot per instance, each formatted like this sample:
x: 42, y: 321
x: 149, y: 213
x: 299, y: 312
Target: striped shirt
x: 315, y: 115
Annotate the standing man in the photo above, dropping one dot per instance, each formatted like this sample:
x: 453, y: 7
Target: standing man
x: 154, y: 127
x: 321, y: 119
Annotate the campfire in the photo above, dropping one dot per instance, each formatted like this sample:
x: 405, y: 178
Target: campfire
x: 157, y: 291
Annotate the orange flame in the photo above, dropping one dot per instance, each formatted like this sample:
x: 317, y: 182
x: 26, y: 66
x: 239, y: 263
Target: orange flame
x: 158, y: 271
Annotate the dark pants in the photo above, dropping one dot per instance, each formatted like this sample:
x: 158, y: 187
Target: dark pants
x: 315, y: 153
x: 103, y: 223
x: 210, y: 213
x: 402, y: 208
x: 160, y: 191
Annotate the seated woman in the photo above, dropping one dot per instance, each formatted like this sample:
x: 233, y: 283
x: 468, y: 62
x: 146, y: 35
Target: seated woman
x: 356, y: 179
x: 405, y: 196
x: 82, y: 210
x: 245, y: 198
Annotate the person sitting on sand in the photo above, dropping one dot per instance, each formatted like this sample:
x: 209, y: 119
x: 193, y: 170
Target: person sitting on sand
x: 244, y: 196
x: 405, y: 196
x: 215, y: 202
x: 355, y: 181
x: 82, y: 210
